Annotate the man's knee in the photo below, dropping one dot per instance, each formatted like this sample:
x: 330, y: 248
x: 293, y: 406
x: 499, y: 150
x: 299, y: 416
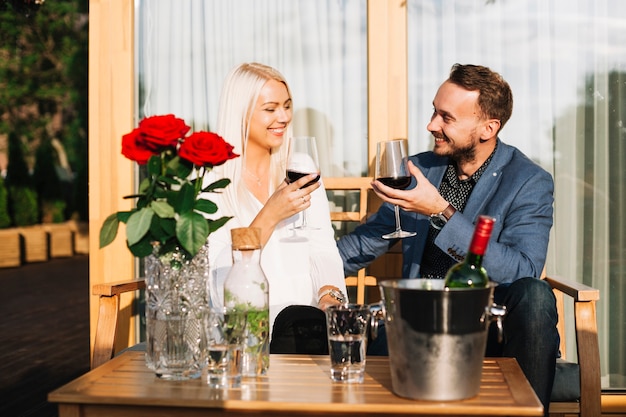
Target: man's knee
x: 531, y: 292
x: 531, y: 300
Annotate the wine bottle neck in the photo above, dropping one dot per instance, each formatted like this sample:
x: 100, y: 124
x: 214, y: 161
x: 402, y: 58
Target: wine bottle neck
x: 474, y: 259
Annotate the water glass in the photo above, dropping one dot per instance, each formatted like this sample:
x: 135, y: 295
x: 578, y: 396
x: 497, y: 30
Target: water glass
x: 347, y: 326
x: 224, y: 348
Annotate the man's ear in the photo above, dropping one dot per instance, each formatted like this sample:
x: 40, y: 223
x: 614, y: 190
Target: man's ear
x: 490, y: 129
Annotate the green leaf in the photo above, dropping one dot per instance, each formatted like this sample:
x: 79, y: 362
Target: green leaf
x: 124, y: 215
x: 160, y: 191
x: 138, y: 225
x: 171, y: 246
x: 168, y: 180
x: 216, y: 224
x: 192, y: 231
x: 142, y: 202
x: 185, y: 199
x: 143, y: 247
x: 205, y: 206
x: 108, y: 231
x: 157, y: 231
x: 217, y: 185
x: 162, y: 209
x: 144, y: 185
x: 172, y: 165
x: 168, y: 226
x: 154, y: 165
x: 182, y: 168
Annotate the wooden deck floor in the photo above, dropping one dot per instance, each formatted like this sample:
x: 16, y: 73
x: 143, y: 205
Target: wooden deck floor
x: 44, y: 332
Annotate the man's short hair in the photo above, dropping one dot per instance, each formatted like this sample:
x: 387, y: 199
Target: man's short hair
x: 495, y: 98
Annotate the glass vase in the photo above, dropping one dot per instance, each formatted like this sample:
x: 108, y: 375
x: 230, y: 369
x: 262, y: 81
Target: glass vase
x: 176, y: 304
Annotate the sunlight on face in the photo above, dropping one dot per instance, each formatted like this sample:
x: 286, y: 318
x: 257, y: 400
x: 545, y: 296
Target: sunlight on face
x: 455, y: 122
x: 272, y: 114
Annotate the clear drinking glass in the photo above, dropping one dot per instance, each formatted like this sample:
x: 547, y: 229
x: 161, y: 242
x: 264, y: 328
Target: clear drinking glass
x: 393, y: 171
x: 303, y: 160
x: 224, y: 335
x: 347, y: 326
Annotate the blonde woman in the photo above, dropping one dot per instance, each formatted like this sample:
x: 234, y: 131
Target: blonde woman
x: 254, y: 116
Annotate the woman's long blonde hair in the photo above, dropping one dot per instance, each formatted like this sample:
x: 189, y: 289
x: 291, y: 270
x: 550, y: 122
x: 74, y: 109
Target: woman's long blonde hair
x: 237, y: 101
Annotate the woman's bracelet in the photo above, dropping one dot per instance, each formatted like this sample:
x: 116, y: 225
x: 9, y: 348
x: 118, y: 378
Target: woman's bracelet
x: 334, y: 293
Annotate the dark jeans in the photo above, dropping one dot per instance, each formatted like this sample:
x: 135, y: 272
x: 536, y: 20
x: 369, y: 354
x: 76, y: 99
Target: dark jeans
x: 530, y: 333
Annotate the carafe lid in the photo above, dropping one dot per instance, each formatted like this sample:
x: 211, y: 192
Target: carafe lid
x: 246, y: 238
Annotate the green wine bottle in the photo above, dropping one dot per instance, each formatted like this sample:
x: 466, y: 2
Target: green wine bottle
x: 470, y: 272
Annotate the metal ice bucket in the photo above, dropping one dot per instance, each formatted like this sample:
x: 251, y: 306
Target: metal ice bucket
x: 436, y: 337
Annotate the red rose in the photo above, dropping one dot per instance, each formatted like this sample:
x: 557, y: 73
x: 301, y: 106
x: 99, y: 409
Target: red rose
x: 206, y: 149
x: 159, y: 132
x: 134, y: 149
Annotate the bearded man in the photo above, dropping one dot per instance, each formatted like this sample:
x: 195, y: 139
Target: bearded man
x: 471, y: 172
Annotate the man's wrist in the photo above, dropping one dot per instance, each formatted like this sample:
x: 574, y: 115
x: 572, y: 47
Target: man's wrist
x: 438, y: 220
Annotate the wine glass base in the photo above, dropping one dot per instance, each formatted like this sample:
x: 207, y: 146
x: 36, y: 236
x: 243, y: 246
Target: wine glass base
x: 294, y: 239
x: 305, y: 228
x: 398, y: 234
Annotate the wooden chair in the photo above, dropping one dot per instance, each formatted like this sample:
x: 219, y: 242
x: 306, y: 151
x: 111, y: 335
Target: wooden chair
x: 585, y: 326
x: 108, y: 312
x: 581, y: 296
x: 362, y: 185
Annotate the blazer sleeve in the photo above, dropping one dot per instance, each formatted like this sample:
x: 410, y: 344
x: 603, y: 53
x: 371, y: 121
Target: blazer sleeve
x: 523, y: 209
x: 361, y: 247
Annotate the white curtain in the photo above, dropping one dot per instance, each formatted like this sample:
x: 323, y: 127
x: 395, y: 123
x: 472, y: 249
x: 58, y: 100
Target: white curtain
x: 185, y: 49
x: 566, y: 63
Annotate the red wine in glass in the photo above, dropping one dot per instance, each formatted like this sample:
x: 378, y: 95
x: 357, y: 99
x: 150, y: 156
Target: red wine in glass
x: 399, y: 183
x: 293, y: 176
x: 302, y: 159
x: 393, y: 171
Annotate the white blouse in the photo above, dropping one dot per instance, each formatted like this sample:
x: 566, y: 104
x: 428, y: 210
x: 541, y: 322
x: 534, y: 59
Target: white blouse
x: 296, y: 262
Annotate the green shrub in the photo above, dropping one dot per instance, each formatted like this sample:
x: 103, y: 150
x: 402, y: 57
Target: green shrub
x: 48, y: 184
x: 5, y: 218
x: 24, y: 202
x: 53, y: 211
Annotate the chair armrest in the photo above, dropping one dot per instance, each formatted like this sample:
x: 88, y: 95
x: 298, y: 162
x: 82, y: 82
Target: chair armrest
x: 108, y: 312
x: 576, y: 290
x: 587, y: 346
x: 110, y: 289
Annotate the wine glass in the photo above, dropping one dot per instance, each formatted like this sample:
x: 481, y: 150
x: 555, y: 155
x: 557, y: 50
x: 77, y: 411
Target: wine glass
x: 302, y: 160
x: 393, y: 171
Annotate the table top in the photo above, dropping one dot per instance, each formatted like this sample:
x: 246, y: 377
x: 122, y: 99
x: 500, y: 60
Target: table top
x: 294, y: 384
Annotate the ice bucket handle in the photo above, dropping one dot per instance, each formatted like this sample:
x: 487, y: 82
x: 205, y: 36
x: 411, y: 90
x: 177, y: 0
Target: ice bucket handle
x: 496, y: 313
x: 376, y: 314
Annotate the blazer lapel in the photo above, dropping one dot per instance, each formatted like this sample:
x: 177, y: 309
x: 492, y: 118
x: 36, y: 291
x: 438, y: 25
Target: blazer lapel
x: 487, y: 185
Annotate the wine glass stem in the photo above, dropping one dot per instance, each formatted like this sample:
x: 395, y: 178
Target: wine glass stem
x: 304, y: 225
x: 397, y: 210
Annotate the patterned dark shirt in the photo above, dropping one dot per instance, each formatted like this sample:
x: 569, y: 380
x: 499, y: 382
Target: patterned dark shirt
x: 435, y: 262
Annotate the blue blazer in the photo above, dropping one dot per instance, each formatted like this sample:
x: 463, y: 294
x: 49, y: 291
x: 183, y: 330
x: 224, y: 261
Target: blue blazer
x: 513, y: 189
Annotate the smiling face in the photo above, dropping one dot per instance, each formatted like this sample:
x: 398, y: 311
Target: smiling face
x: 460, y: 131
x: 271, y: 115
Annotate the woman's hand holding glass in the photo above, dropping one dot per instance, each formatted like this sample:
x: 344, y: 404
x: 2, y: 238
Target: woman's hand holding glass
x: 303, y: 160
x: 286, y: 201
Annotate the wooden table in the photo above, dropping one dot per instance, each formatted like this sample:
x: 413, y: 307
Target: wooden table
x: 294, y: 385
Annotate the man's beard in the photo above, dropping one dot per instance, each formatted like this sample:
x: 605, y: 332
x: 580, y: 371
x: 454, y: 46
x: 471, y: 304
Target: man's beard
x: 460, y: 155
